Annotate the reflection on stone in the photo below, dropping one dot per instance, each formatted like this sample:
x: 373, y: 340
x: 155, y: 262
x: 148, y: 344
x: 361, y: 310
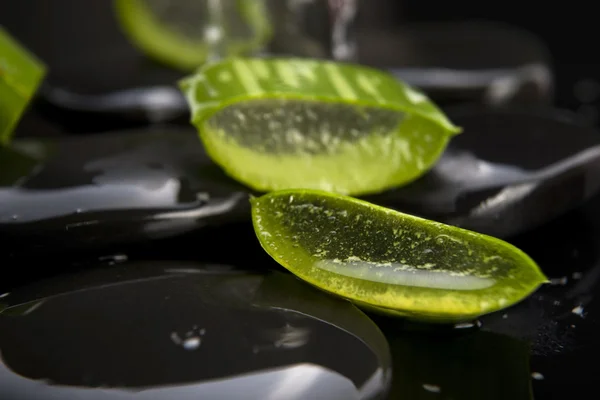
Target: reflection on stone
x: 172, y: 329
x: 110, y: 188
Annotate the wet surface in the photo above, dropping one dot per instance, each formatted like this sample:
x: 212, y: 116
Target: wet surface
x: 145, y: 184
x: 543, y: 346
x: 113, y: 188
x: 483, y: 62
x: 186, y: 330
x: 495, y: 177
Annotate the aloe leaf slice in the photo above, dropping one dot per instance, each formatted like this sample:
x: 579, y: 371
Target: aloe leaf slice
x: 184, y: 33
x: 277, y: 124
x: 391, y: 262
x: 20, y: 76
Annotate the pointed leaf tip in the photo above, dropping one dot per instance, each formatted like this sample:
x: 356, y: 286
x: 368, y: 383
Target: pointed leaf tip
x: 392, y: 262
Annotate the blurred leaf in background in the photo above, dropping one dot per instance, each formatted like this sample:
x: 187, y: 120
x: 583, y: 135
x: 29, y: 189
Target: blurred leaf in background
x: 20, y: 76
x: 185, y: 34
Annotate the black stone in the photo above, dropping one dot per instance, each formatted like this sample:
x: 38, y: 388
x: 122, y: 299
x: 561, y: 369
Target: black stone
x: 156, y: 330
x: 481, y: 62
x: 508, y: 172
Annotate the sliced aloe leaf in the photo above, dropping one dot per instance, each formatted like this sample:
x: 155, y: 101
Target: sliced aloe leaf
x: 20, y: 75
x: 183, y: 33
x: 391, y: 262
x: 297, y: 123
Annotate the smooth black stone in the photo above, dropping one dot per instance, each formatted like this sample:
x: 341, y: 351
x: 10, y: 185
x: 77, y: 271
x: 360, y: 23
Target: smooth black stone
x: 186, y: 330
x: 489, y: 63
x: 541, y: 334
x: 541, y: 348
x: 482, y: 365
x: 508, y: 172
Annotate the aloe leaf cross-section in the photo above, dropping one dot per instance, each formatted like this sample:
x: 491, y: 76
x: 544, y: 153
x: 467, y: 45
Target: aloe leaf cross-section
x: 391, y: 262
x: 281, y: 123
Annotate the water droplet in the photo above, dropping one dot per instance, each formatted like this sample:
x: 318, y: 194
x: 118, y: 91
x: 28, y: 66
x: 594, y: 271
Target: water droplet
x: 467, y: 325
x: 203, y: 197
x: 432, y: 388
x: 537, y: 376
x: 114, y: 259
x: 559, y: 281
x: 577, y: 275
x: 504, y: 316
x: 175, y: 338
x: 578, y: 311
x: 79, y: 211
x: 14, y: 217
x: 192, y: 338
x: 192, y: 343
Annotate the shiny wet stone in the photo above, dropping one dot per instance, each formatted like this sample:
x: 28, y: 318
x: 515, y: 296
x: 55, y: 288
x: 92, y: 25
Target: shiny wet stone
x: 490, y: 63
x: 184, y: 330
x: 502, y: 356
x: 117, y: 187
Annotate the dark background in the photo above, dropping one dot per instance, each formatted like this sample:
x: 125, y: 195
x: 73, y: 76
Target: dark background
x: 56, y: 31
x: 567, y: 28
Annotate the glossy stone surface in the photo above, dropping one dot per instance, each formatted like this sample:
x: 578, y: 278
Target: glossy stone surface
x: 541, y: 348
x: 544, y: 347
x: 489, y: 63
x: 127, y: 186
x: 113, y: 188
x: 185, y: 330
x: 498, y: 176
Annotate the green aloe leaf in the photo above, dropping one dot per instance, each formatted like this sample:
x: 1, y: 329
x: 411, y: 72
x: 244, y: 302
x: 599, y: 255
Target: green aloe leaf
x: 185, y: 33
x: 20, y: 75
x: 277, y: 124
x: 391, y: 262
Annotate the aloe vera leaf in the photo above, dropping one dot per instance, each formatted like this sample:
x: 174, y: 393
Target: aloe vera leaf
x: 276, y: 124
x: 391, y: 262
x: 179, y: 33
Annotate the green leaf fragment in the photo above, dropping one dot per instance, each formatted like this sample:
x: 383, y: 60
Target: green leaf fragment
x: 183, y: 34
x: 391, y: 262
x: 20, y: 75
x: 298, y: 123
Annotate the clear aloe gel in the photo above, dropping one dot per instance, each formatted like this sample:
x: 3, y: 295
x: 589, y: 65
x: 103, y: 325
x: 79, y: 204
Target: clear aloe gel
x: 391, y: 262
x: 277, y: 124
